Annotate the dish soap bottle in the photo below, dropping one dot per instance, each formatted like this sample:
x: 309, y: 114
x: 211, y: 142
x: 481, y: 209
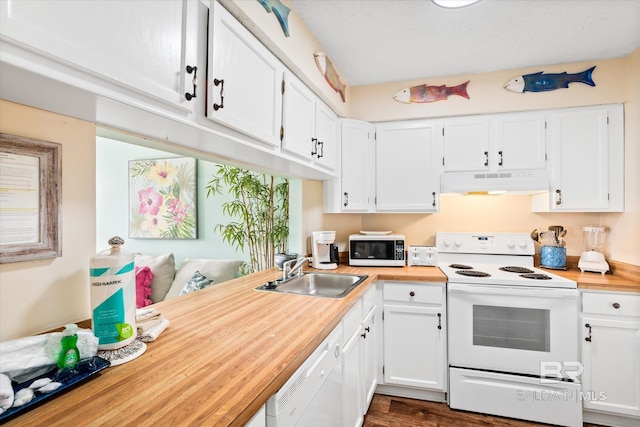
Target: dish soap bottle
x: 69, y: 356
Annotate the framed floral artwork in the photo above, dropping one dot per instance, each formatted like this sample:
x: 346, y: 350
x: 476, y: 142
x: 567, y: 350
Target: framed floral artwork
x: 162, y: 199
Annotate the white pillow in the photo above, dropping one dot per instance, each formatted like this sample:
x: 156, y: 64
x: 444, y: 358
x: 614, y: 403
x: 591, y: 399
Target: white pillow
x: 163, y: 268
x: 218, y: 270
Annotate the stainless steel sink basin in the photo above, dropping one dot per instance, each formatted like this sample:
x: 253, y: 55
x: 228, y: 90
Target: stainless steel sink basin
x: 329, y: 285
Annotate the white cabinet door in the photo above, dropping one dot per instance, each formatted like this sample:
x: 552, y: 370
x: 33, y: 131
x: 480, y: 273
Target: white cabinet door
x: 406, y: 171
x: 414, y: 340
x: 466, y: 144
x: 353, y: 415
x: 327, y: 137
x: 244, y: 81
x: 518, y: 142
x: 140, y: 46
x: 611, y: 353
x: 369, y: 360
x: 586, y: 160
x: 298, y: 119
x: 357, y: 167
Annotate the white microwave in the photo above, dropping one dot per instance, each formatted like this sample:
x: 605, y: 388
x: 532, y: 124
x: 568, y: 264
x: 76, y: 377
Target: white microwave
x: 376, y: 250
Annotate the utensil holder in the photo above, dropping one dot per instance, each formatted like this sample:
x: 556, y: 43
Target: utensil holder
x: 553, y: 257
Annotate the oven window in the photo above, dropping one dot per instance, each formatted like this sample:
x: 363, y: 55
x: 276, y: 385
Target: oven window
x: 511, y: 327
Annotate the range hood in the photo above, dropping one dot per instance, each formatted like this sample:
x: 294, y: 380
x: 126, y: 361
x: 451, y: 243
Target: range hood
x: 462, y: 182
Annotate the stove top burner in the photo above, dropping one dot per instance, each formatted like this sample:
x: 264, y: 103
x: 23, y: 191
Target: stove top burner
x: 461, y: 267
x: 473, y: 273
x: 536, y: 276
x: 514, y: 269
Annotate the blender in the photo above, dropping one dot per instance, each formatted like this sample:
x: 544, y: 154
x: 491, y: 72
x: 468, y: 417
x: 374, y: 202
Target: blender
x: 591, y: 259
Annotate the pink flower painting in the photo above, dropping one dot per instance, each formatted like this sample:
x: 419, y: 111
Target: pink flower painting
x: 162, y: 196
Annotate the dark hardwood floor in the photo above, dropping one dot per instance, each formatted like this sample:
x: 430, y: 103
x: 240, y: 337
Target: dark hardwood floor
x: 390, y: 411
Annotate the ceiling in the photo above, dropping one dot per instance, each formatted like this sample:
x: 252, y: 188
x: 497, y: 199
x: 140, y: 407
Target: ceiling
x: 378, y: 41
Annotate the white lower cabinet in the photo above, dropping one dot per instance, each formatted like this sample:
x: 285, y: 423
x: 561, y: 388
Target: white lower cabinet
x: 611, y: 355
x: 259, y: 419
x: 414, y: 341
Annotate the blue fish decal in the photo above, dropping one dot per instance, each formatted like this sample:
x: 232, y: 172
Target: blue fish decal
x: 280, y: 10
x: 541, y: 82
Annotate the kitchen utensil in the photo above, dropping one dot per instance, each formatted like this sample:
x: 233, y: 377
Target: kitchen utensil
x: 535, y: 235
x: 556, y: 229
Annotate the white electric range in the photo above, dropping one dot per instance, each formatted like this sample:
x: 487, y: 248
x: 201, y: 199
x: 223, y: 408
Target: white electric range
x: 512, y: 330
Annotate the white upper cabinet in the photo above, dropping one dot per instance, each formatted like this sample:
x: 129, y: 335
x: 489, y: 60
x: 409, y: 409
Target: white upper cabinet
x: 354, y: 190
x: 407, y: 172
x: 518, y: 142
x: 309, y: 126
x: 244, y: 80
x: 298, y: 119
x: 327, y: 138
x: 466, y: 144
x: 586, y: 161
x: 142, y: 48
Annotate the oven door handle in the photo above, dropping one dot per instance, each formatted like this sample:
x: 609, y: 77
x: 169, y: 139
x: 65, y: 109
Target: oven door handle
x: 511, y: 290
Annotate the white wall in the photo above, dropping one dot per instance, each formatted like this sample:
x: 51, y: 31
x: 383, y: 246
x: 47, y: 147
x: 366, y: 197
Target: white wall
x: 112, y: 206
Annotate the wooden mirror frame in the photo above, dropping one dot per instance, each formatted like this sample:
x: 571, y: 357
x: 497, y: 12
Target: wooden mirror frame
x: 49, y: 243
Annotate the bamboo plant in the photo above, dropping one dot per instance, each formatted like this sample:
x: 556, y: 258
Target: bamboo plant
x: 259, y: 213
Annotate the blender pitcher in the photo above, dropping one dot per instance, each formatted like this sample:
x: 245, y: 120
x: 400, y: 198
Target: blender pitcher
x: 592, y: 259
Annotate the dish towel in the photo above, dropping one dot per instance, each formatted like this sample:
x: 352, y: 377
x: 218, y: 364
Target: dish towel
x: 150, y: 324
x: 6, y: 393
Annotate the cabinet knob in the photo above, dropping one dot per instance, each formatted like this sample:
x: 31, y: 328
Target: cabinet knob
x: 616, y: 305
x: 412, y: 294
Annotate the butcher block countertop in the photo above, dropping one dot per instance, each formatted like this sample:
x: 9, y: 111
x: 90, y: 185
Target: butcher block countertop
x: 227, y: 350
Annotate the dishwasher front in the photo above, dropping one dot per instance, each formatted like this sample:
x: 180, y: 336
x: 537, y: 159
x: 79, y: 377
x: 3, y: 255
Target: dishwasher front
x: 312, y: 397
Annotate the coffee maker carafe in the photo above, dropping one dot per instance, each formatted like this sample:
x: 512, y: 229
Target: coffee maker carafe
x: 323, y: 250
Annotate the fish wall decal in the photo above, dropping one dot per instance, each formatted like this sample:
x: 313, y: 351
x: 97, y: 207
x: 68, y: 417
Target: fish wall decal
x: 330, y: 74
x: 544, y: 82
x: 280, y: 10
x: 424, y: 93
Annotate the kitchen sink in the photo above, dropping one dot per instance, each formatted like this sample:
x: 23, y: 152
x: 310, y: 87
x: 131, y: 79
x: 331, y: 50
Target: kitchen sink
x: 329, y: 285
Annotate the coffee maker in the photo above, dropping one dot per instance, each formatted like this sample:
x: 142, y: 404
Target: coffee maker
x: 323, y: 250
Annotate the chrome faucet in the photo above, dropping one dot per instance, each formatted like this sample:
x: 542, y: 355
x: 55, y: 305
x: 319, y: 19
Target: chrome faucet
x: 292, y: 267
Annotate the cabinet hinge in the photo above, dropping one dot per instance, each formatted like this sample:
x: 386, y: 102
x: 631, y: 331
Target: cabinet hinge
x: 608, y: 196
x: 283, y: 87
x: 442, y: 131
x: 442, y: 161
x: 383, y: 315
x: 383, y: 370
x: 607, y: 119
x: 281, y: 133
x: 545, y: 124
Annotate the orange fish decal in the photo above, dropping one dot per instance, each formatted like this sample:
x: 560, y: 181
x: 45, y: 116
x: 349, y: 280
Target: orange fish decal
x: 330, y: 74
x: 424, y: 93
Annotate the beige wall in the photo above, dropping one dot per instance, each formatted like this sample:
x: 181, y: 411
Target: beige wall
x: 616, y: 83
x: 38, y: 295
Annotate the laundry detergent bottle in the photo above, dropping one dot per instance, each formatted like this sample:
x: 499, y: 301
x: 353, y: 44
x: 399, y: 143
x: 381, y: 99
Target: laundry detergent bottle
x: 113, y: 296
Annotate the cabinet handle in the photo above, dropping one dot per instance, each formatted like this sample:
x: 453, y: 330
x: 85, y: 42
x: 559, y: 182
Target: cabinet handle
x: 368, y: 329
x: 434, y: 199
x: 193, y: 70
x: 412, y: 294
x: 346, y: 198
x: 314, y: 150
x: 586, y: 325
x: 321, y: 154
x: 486, y: 158
x: 500, y: 162
x: 558, y: 197
x: 364, y: 335
x: 219, y: 82
x: 616, y: 305
x: 439, y: 321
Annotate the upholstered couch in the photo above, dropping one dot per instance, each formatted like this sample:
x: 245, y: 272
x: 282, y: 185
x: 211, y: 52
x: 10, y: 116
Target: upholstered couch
x: 167, y: 281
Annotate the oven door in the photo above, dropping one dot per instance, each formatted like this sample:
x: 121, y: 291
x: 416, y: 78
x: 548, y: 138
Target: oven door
x: 513, y: 329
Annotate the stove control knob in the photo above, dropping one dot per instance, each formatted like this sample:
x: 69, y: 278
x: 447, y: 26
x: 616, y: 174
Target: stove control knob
x: 447, y: 242
x: 458, y: 242
x: 511, y: 243
x: 522, y: 243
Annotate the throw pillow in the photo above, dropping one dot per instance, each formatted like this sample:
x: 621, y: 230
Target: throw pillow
x: 195, y: 283
x: 163, y: 268
x: 144, y: 276
x: 219, y: 270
